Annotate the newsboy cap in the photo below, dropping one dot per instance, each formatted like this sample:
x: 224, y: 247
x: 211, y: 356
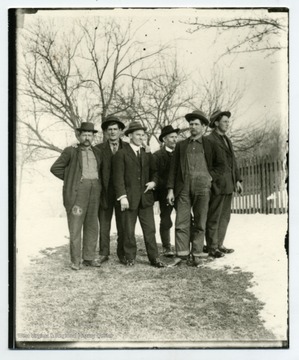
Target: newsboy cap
x: 112, y: 119
x: 217, y: 116
x: 87, y: 126
x: 168, y: 129
x: 134, y: 126
x: 197, y: 114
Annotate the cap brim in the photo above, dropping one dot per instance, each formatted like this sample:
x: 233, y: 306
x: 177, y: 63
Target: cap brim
x: 93, y: 131
x: 167, y: 133
x: 129, y: 131
x: 106, y: 124
x: 212, y: 122
x: 191, y: 116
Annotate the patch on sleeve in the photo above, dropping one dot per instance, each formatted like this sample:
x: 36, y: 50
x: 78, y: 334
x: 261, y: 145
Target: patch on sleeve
x: 77, y: 210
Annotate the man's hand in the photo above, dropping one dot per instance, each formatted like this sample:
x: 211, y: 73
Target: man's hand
x: 239, y: 187
x: 150, y: 186
x: 170, y: 197
x: 124, y: 204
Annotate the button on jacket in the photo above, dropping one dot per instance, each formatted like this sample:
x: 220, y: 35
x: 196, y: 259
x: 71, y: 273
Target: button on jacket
x: 130, y: 176
x: 68, y: 167
x: 225, y: 166
x: 106, y: 171
x: 178, y: 173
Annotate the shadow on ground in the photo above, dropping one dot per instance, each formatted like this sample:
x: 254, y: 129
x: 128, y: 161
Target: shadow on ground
x: 140, y: 303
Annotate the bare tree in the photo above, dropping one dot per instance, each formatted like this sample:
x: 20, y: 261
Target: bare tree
x: 76, y: 78
x: 248, y: 33
x: 158, y: 98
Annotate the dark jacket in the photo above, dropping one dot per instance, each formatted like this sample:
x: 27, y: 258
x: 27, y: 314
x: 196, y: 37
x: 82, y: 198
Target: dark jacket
x: 107, y: 193
x: 130, y: 177
x: 227, y: 173
x: 68, y: 167
x: 177, y: 170
x: 162, y: 160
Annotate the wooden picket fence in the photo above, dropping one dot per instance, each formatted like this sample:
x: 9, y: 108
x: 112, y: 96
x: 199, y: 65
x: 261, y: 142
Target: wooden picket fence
x: 264, y: 187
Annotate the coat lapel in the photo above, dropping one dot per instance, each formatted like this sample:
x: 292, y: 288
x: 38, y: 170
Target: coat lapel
x: 79, y: 156
x: 132, y: 154
x: 221, y: 143
x: 97, y: 156
x: 184, y: 145
x: 107, y: 150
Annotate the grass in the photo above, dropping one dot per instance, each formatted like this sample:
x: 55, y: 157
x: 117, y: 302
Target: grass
x: 141, y: 303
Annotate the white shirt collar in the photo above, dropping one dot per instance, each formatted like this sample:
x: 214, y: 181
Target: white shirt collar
x: 168, y: 149
x: 135, y: 147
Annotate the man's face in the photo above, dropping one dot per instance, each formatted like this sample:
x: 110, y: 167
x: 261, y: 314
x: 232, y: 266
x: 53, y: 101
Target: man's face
x: 170, y: 140
x: 113, y: 132
x: 86, y: 138
x: 222, y: 125
x: 196, y: 128
x: 137, y: 137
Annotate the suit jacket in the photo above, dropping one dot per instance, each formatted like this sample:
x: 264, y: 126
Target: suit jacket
x: 68, y: 167
x: 162, y: 162
x: 130, y: 176
x: 227, y: 169
x: 177, y: 170
x: 107, y: 194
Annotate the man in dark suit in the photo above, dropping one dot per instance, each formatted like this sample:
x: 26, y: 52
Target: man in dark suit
x: 162, y: 159
x: 134, y: 178
x: 112, y: 128
x: 189, y: 184
x: 224, y: 184
x: 79, y: 168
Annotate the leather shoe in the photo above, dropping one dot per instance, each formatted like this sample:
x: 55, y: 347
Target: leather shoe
x: 158, y: 264
x: 168, y: 252
x: 216, y: 253
x: 225, y: 250
x: 130, y: 263
x: 92, y: 263
x: 175, y: 262
x: 197, y: 262
x: 103, y: 258
x: 205, y: 249
x: 123, y: 260
x: 75, y: 266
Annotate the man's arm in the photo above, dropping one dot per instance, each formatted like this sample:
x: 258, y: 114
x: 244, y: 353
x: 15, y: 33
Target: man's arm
x: 154, y: 176
x: 238, y: 187
x: 174, y: 163
x: 58, y: 168
x: 156, y: 160
x: 118, y: 166
x: 215, y: 158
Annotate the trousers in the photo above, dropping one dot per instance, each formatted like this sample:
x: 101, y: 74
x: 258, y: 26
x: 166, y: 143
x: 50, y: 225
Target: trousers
x: 105, y: 217
x: 84, y: 215
x: 218, y: 220
x: 186, y: 202
x: 147, y: 222
x: 165, y: 221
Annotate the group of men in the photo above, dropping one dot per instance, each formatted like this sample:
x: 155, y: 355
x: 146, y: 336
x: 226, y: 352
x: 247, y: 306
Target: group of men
x: 196, y: 176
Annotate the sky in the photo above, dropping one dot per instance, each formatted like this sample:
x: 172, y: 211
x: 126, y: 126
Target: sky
x: 263, y: 80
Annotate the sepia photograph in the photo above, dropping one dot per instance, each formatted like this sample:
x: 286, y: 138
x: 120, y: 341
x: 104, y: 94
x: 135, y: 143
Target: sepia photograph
x: 151, y: 177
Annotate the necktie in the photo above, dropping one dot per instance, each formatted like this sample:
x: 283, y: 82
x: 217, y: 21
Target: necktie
x: 114, y: 147
x: 139, y: 156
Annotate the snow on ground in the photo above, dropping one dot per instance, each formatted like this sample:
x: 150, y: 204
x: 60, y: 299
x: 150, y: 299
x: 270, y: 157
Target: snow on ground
x: 258, y: 241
